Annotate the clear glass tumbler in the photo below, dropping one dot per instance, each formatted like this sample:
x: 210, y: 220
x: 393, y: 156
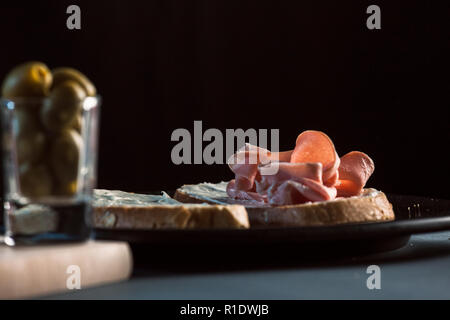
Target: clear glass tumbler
x: 48, y: 175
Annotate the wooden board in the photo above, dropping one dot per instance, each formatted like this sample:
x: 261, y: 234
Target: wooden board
x: 30, y: 271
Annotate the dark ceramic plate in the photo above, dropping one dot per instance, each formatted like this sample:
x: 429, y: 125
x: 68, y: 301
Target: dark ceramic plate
x: 413, y: 215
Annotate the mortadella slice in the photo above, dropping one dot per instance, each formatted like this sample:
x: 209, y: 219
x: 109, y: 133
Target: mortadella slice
x: 354, y: 171
x: 288, y: 171
x: 316, y: 146
x: 300, y: 191
x: 245, y: 164
x: 237, y: 193
x: 251, y: 154
x: 312, y: 171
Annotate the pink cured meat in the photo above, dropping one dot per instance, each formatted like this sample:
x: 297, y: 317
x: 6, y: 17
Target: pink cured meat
x: 311, y: 172
x: 235, y: 193
x: 316, y: 146
x: 299, y: 191
x: 307, y: 178
x: 246, y: 161
x: 355, y: 169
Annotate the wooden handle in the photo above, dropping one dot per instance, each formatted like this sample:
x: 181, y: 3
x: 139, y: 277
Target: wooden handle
x: 38, y: 270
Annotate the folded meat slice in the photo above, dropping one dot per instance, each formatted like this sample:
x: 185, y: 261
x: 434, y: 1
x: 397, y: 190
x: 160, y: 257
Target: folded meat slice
x: 295, y: 183
x: 312, y: 171
x: 288, y: 171
x: 246, y: 161
x: 250, y: 154
x: 355, y: 169
x: 234, y: 192
x: 316, y: 146
x: 330, y: 182
x: 299, y: 191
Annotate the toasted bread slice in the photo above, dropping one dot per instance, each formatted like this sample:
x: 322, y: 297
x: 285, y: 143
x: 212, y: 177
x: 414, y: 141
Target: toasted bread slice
x: 371, y: 206
x: 124, y: 210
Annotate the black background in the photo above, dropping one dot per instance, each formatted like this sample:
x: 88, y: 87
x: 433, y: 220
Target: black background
x: 292, y: 65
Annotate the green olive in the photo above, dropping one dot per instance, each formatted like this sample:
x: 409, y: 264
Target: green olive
x: 61, y: 75
x: 30, y: 79
x: 77, y: 123
x: 35, y: 180
x: 65, y: 155
x: 30, y: 147
x: 62, y: 106
x: 27, y: 121
x: 30, y: 137
x: 65, y: 189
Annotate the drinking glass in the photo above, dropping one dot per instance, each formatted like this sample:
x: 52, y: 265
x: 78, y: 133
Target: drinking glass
x: 48, y: 175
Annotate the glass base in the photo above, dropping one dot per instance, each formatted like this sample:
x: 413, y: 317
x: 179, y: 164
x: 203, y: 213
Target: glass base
x: 45, y: 223
x: 45, y: 238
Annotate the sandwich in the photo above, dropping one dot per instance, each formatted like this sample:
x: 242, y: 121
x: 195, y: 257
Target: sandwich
x: 116, y: 209
x: 309, y: 185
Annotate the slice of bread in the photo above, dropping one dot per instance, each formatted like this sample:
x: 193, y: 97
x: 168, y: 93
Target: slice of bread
x: 371, y: 206
x: 124, y: 210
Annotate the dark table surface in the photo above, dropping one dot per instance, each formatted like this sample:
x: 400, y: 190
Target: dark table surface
x: 420, y: 270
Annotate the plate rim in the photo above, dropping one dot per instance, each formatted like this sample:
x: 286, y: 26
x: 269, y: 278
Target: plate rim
x: 368, y: 230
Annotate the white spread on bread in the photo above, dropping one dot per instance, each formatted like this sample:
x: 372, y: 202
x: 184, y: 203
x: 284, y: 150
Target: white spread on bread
x: 217, y: 193
x: 108, y: 198
x: 119, y: 209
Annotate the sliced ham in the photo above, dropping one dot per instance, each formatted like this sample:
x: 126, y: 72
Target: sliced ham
x: 312, y: 171
x: 245, y: 166
x: 316, y: 146
x: 246, y: 161
x: 288, y: 171
x: 250, y: 154
x: 236, y: 193
x: 332, y: 180
x: 355, y: 169
x: 299, y: 191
